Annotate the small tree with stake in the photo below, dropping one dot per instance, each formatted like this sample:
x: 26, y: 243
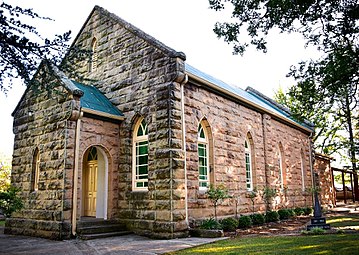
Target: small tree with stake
x: 252, y: 195
x: 268, y: 194
x: 216, y: 194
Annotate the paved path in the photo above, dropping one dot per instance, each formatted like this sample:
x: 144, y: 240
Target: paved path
x: 129, y: 244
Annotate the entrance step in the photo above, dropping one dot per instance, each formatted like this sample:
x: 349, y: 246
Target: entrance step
x: 92, y: 228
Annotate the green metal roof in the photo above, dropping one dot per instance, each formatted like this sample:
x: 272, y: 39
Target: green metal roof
x: 255, y: 99
x: 93, y: 101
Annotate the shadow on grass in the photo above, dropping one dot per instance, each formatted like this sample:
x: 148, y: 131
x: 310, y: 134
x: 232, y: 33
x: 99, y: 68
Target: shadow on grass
x: 323, y: 244
x: 344, y: 221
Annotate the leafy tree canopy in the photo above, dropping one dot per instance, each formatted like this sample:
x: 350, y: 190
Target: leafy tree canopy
x: 22, y: 47
x: 327, y: 89
x: 323, y: 23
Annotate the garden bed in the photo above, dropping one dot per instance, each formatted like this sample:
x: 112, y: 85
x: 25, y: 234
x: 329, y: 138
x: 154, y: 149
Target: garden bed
x: 285, y: 227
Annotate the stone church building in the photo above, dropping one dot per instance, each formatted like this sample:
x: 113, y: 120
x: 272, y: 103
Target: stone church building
x: 141, y: 141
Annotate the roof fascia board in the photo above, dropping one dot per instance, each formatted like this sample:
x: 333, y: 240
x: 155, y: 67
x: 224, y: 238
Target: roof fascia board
x: 246, y: 101
x: 102, y: 114
x: 59, y: 75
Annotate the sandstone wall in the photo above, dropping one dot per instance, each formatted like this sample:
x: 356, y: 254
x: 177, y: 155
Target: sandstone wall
x: 105, y: 136
x: 142, y: 78
x: 40, y: 121
x: 230, y: 122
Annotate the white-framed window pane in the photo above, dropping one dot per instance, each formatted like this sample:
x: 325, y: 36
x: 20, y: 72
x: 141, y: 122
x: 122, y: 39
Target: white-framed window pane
x: 142, y: 164
x: 248, y: 171
x: 141, y: 156
x: 202, y: 165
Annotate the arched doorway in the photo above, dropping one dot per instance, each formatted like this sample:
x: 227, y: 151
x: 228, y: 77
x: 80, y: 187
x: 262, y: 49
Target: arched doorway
x: 95, y: 183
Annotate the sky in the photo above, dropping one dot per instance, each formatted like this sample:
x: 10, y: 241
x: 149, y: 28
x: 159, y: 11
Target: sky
x: 184, y: 25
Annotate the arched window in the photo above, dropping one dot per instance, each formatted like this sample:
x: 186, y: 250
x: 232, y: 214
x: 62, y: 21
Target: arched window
x: 203, y: 158
x: 35, y: 173
x: 140, y: 159
x: 93, y: 62
x: 249, y: 168
x: 282, y: 174
x: 92, y: 154
x: 302, y: 169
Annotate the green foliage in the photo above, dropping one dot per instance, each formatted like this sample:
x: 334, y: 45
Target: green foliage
x: 313, y: 231
x: 299, y: 211
x: 338, y: 178
x: 257, y: 219
x: 291, y: 213
x: 307, y: 210
x: 5, y: 170
x: 268, y: 194
x: 284, y: 214
x: 22, y: 48
x: 216, y: 194
x: 327, y: 88
x: 272, y: 216
x: 210, y: 224
x: 10, y: 201
x: 245, y: 221
x: 229, y: 224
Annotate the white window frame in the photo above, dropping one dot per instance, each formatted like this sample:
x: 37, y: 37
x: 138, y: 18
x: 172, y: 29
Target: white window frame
x: 203, y: 142
x: 249, y: 168
x: 135, y: 166
x: 93, y: 64
x: 36, y: 170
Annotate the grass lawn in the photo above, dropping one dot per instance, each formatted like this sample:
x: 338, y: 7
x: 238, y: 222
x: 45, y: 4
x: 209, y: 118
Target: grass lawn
x: 321, y: 244
x: 344, y: 222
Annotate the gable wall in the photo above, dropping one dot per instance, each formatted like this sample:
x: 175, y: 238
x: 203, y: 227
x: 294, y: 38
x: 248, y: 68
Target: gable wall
x: 141, y: 80
x: 41, y: 122
x: 230, y: 122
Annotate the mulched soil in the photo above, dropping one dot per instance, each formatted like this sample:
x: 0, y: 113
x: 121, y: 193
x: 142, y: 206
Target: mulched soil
x: 291, y: 226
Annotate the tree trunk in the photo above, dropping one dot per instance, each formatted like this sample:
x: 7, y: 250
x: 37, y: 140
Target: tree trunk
x: 352, y: 147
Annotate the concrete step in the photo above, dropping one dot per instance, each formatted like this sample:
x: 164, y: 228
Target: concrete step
x: 100, y: 229
x: 104, y: 235
x: 91, y: 228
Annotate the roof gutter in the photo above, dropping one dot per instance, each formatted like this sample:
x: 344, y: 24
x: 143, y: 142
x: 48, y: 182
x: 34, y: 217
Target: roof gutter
x: 222, y: 90
x: 102, y: 114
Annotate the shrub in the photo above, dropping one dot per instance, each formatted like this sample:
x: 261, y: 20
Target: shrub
x: 299, y: 211
x: 313, y: 231
x: 283, y: 214
x: 272, y: 216
x: 210, y: 224
x: 257, y: 219
x: 229, y: 224
x: 244, y: 222
x: 291, y: 212
x: 10, y: 201
x: 307, y: 210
